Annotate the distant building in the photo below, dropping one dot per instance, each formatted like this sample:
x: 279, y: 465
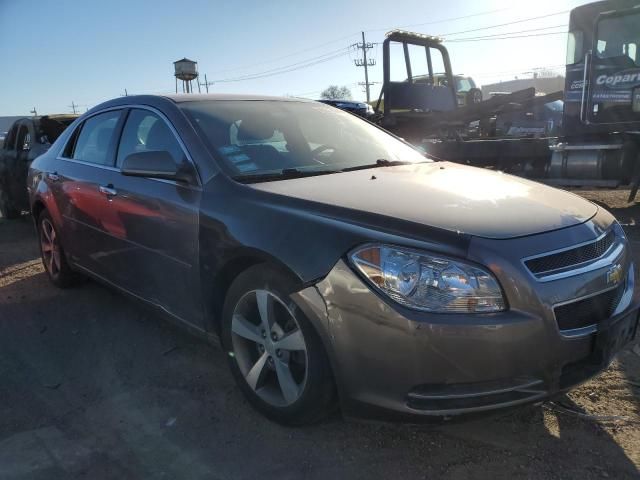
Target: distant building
x: 541, y: 84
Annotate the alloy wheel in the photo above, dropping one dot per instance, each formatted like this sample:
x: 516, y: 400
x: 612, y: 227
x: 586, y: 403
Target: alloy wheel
x: 269, y: 347
x: 50, y: 247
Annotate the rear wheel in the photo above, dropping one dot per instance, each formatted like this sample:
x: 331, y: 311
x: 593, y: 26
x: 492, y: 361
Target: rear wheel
x: 53, y: 255
x: 274, y: 352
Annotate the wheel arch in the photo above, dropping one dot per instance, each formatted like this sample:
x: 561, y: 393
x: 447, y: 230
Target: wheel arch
x: 216, y: 283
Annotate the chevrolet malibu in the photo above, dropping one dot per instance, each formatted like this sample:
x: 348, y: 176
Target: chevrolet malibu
x: 336, y: 265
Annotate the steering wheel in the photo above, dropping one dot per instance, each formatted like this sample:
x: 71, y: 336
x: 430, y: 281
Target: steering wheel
x: 320, y: 148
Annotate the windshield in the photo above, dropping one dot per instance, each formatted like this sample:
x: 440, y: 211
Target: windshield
x: 619, y: 38
x: 463, y: 84
x: 256, y: 138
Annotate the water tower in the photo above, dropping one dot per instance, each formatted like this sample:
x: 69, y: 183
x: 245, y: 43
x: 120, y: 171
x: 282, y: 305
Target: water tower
x: 187, y: 71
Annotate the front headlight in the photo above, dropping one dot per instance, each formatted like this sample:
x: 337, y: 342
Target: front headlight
x: 427, y: 282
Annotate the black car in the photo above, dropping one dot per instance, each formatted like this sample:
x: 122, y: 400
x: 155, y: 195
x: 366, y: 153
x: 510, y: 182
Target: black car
x: 334, y: 261
x: 359, y: 108
x: 26, y: 139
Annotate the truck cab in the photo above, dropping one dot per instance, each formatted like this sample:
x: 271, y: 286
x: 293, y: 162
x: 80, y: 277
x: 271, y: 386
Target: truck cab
x: 602, y: 88
x: 600, y: 140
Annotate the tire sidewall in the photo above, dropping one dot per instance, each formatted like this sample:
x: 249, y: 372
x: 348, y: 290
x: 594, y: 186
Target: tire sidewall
x: 309, y: 404
x: 65, y: 277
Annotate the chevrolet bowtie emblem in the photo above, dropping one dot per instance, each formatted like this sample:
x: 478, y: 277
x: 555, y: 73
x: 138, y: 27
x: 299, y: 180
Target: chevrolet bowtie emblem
x: 614, y: 274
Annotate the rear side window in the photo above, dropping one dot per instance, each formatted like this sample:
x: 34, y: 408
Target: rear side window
x: 145, y: 131
x: 95, y: 139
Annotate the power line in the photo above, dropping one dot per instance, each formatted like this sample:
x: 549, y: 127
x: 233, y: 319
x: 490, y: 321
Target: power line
x: 505, y: 24
x: 509, y: 37
x: 444, y: 20
x: 341, y: 49
x: 293, y: 54
x: 315, y: 47
x: 289, y: 68
x: 330, y: 55
x: 508, y: 33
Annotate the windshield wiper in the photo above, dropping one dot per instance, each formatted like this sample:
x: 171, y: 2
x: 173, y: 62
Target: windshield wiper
x: 381, y: 162
x: 284, y: 174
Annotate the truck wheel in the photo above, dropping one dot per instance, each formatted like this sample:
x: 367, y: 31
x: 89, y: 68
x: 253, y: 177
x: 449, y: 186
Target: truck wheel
x: 275, y: 354
x: 7, y: 208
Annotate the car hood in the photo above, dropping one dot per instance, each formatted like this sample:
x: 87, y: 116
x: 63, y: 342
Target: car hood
x: 445, y: 195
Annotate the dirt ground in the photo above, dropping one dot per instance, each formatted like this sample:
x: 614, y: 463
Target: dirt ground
x: 93, y: 386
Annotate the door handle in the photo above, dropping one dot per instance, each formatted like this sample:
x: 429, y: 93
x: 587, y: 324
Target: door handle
x: 53, y: 176
x: 108, y: 190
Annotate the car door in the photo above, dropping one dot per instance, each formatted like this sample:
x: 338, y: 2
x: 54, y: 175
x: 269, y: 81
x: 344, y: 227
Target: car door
x: 154, y: 234
x: 79, y: 181
x: 15, y: 179
x: 24, y: 156
x: 8, y: 158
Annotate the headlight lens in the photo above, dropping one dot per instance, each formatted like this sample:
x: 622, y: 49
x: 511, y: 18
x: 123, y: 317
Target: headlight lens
x: 427, y: 282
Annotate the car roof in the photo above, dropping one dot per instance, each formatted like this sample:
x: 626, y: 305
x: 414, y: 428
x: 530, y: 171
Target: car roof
x: 157, y: 100
x: 200, y: 97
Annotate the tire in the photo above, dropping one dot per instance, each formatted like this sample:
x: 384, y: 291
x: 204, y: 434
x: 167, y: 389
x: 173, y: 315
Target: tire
x: 53, y: 255
x: 8, y: 210
x: 288, y: 385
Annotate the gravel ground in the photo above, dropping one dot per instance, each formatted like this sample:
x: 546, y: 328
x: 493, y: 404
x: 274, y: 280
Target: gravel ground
x: 94, y: 386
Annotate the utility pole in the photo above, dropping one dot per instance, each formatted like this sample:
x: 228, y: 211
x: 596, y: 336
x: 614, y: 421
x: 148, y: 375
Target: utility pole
x: 74, y: 107
x: 205, y: 84
x: 35, y: 113
x: 365, y: 62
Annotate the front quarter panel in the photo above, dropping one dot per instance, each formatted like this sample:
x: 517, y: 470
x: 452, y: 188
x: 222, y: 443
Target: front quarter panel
x: 304, y: 238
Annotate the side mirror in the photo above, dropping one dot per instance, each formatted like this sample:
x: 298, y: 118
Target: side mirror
x: 154, y: 164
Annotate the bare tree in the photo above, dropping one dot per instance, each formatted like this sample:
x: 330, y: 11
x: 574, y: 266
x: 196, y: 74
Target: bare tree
x: 334, y: 92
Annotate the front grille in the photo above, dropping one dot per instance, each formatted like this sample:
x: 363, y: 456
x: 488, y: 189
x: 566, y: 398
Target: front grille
x: 589, y: 311
x: 574, y: 256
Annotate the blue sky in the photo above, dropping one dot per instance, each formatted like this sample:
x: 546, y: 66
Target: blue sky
x: 56, y: 52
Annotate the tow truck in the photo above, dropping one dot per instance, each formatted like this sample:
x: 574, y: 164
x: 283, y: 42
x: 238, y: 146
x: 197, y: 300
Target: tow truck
x: 598, y: 143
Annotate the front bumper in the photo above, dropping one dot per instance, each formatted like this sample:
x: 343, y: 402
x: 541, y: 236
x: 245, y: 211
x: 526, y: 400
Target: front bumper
x: 392, y: 361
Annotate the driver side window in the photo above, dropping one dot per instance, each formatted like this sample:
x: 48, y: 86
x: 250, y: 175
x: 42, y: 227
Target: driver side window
x: 145, y: 131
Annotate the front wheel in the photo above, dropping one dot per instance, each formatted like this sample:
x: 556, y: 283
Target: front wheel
x: 274, y: 352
